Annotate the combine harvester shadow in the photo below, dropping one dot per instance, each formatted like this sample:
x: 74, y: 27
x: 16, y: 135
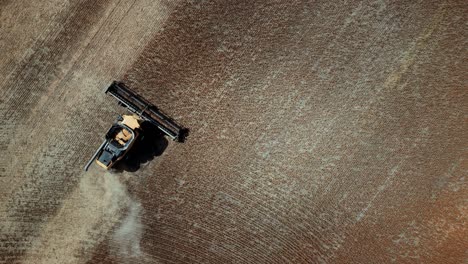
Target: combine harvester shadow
x: 135, y: 138
x: 151, y: 144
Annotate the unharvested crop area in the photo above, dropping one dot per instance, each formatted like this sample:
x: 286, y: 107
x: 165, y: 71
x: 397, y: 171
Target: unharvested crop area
x: 320, y: 131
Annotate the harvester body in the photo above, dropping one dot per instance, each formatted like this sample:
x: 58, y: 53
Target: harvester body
x: 127, y: 129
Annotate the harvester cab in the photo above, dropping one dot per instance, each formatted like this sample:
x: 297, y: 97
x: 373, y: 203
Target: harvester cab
x: 127, y: 129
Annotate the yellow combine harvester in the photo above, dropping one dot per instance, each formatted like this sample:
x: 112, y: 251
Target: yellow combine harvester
x: 127, y: 129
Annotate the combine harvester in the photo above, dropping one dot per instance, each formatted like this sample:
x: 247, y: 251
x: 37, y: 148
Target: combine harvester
x: 127, y: 129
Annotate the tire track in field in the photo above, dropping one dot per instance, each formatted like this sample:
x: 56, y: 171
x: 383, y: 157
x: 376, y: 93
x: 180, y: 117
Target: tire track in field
x: 22, y: 208
x: 24, y: 27
x: 55, y: 166
x: 46, y: 114
x: 35, y: 79
x: 25, y: 231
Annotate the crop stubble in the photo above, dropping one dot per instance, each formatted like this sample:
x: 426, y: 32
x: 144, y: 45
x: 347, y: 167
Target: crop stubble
x: 320, y: 132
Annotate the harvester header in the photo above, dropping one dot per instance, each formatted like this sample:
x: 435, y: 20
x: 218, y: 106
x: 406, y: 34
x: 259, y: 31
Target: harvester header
x: 145, y: 110
x: 127, y: 129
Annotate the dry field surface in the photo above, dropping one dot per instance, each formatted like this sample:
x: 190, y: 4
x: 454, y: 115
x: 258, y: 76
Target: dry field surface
x: 320, y: 131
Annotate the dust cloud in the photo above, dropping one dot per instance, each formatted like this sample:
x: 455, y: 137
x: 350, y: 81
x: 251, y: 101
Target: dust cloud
x: 125, y: 243
x: 101, y: 209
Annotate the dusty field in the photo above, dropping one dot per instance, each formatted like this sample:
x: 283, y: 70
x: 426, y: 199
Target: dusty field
x: 320, y: 132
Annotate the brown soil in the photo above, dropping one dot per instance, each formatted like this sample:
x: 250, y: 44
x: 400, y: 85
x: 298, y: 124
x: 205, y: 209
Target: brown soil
x: 320, y: 132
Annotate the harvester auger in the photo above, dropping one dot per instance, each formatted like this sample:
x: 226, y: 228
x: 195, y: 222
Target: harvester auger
x: 127, y: 129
